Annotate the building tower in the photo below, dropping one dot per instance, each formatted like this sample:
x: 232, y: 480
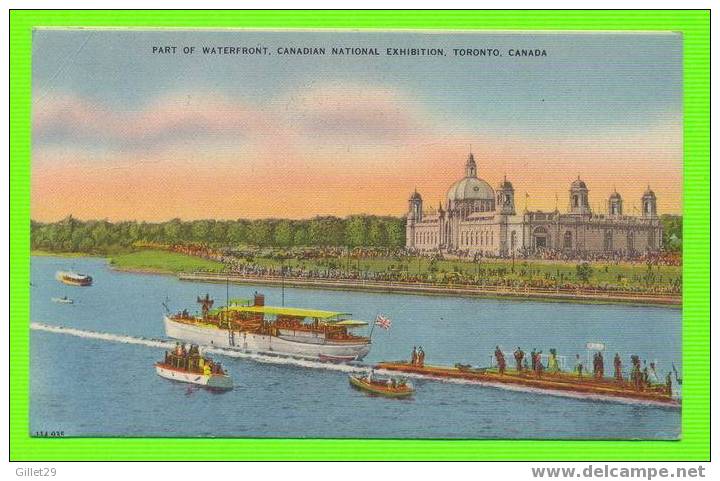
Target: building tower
x: 649, y: 204
x: 506, y: 198
x: 579, y: 203
x: 470, y: 166
x: 414, y: 215
x: 415, y: 202
x: 615, y: 204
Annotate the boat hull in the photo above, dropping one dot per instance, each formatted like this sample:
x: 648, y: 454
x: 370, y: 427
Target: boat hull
x: 379, y: 390
x: 213, y: 381
x: 261, y: 343
x: 565, y: 385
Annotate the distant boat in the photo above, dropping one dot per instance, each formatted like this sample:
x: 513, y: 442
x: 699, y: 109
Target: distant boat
x: 62, y: 300
x: 73, y: 278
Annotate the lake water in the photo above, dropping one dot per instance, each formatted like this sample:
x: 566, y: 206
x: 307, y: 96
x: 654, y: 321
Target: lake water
x: 91, y: 387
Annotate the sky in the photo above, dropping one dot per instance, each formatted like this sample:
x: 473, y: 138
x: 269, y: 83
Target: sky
x: 122, y: 133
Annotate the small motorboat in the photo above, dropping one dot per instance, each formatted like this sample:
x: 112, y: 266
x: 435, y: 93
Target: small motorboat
x: 62, y: 300
x: 190, y: 366
x: 382, y: 387
x: 73, y: 278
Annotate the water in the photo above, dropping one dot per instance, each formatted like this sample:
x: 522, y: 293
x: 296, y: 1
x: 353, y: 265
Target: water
x: 97, y: 387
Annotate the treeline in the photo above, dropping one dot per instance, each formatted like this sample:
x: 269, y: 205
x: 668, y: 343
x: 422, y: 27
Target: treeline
x: 101, y: 236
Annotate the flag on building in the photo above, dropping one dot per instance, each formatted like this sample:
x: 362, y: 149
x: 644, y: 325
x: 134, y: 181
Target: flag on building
x: 383, y: 322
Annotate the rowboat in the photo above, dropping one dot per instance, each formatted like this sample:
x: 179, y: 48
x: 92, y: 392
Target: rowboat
x: 382, y: 387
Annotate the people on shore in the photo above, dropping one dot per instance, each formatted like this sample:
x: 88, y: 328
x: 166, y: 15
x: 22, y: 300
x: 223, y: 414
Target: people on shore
x: 414, y: 356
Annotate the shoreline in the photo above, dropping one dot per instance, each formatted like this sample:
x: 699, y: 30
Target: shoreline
x: 588, y: 296
x: 460, y: 291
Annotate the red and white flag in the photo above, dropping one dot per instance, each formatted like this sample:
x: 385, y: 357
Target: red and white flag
x: 383, y: 322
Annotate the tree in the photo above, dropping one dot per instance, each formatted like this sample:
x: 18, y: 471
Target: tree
x: 283, y: 234
x: 260, y: 233
x: 237, y: 232
x: 172, y: 230
x: 376, y: 233
x: 583, y: 272
x: 395, y: 231
x: 300, y: 237
x: 355, y: 231
x: 672, y: 232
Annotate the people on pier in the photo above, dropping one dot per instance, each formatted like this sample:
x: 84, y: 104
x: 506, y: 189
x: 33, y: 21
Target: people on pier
x: 578, y: 366
x: 500, y: 358
x: 519, y: 355
x: 538, y: 367
x: 652, y: 374
x: 598, y: 365
x: 636, y: 374
x: 553, y: 366
x: 617, y: 363
x: 533, y: 358
x: 420, y: 357
x: 413, y: 356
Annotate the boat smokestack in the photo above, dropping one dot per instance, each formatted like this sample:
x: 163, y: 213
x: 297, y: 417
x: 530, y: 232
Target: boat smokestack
x: 259, y: 300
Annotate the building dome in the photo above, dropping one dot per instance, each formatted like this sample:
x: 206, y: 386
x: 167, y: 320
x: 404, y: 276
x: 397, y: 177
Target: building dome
x: 415, y: 196
x: 615, y: 195
x: 649, y: 192
x: 578, y: 184
x: 470, y: 188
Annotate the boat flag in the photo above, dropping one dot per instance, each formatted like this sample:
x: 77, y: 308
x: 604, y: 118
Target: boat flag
x: 383, y: 322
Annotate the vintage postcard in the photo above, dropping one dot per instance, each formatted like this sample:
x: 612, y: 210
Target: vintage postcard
x: 356, y: 234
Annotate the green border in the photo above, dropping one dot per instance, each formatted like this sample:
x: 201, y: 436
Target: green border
x: 695, y: 443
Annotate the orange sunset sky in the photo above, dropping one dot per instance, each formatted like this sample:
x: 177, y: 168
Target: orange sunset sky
x: 136, y: 137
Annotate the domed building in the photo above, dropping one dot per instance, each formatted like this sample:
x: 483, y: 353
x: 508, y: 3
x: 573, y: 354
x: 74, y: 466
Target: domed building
x: 475, y: 218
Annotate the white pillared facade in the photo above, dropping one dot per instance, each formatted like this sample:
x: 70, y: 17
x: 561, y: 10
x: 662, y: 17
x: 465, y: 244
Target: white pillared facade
x: 475, y: 218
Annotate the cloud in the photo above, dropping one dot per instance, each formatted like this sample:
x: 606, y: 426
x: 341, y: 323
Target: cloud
x: 329, y: 148
x: 325, y: 113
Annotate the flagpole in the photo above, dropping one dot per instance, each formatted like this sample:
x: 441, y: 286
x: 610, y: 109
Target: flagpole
x: 372, y: 328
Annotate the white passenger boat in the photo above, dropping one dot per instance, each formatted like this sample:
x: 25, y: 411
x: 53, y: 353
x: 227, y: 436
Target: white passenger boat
x: 251, y: 326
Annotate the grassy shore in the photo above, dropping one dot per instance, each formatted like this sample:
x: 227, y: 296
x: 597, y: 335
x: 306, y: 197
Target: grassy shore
x: 625, y: 275
x: 162, y: 262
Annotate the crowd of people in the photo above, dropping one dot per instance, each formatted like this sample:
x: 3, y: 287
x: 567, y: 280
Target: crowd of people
x: 334, y: 263
x: 642, y: 375
x: 662, y: 258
